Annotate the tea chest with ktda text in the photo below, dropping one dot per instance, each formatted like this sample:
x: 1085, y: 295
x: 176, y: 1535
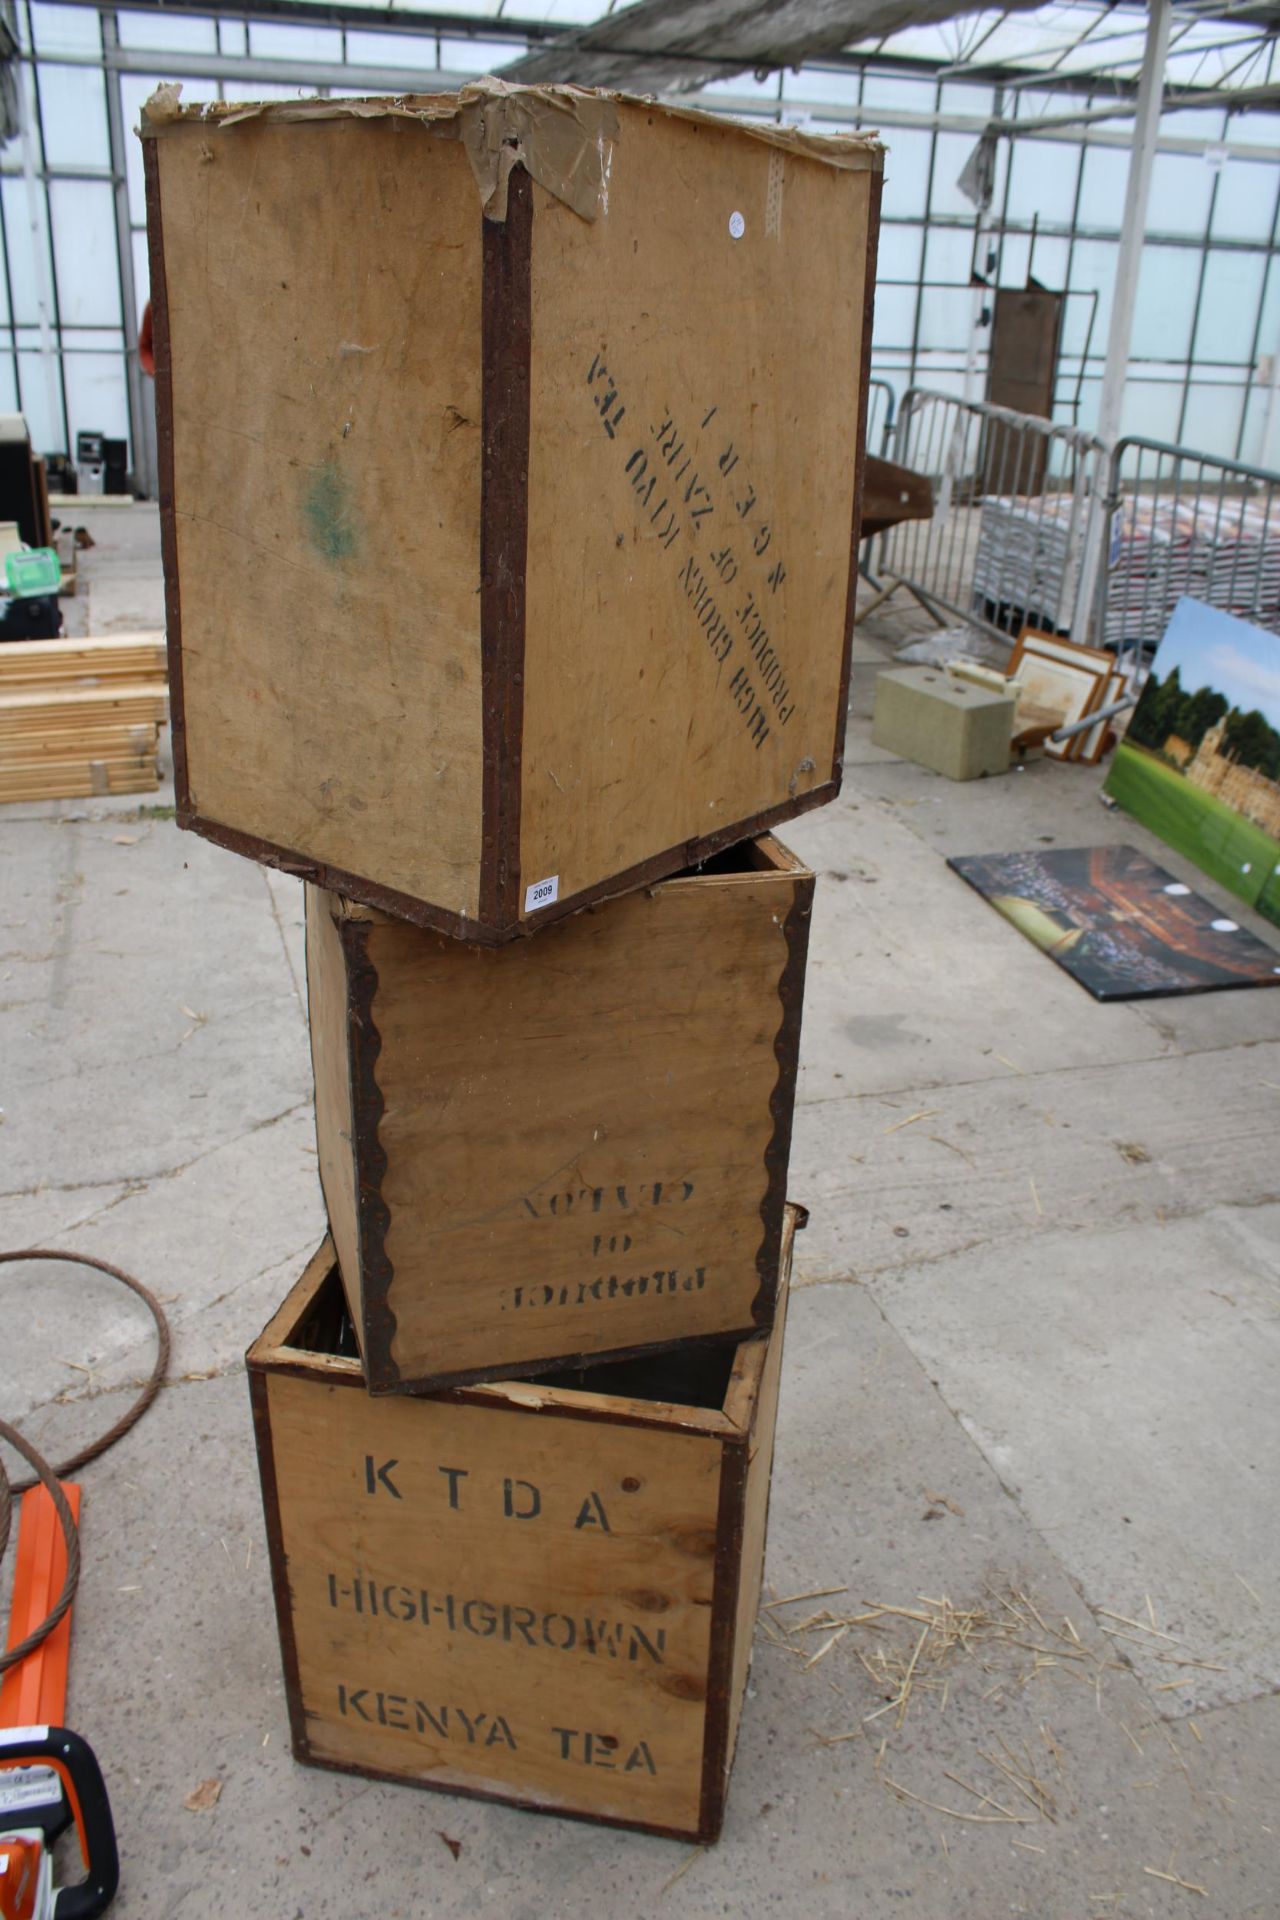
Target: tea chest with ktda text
x: 542, y: 1592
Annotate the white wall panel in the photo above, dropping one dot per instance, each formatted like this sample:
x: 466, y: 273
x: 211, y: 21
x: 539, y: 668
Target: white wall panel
x: 169, y: 32
x: 1102, y: 185
x: 73, y: 114
x: 1245, y: 208
x: 43, y: 409
x: 1181, y: 188
x: 141, y: 275
x: 96, y: 395
x: 1164, y: 312
x: 84, y: 250
x: 841, y: 88
x: 1042, y: 182
x: 906, y: 173
x: 274, y: 40
x: 28, y: 247
x: 895, y: 317
x: 1229, y: 306
x: 1212, y: 419
x: 1151, y: 409
x: 65, y: 29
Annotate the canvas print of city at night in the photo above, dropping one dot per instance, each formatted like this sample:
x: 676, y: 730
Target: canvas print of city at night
x: 1119, y: 924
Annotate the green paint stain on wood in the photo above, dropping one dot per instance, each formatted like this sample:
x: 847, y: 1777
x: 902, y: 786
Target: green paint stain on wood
x: 329, y: 516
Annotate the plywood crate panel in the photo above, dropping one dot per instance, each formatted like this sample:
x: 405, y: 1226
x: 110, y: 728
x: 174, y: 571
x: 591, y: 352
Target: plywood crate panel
x: 510, y: 520
x: 542, y: 1592
x: 573, y: 1146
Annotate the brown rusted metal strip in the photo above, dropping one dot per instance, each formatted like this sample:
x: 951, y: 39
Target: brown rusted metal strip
x: 373, y: 1309
x: 505, y: 322
x: 786, y: 1047
x: 260, y: 1401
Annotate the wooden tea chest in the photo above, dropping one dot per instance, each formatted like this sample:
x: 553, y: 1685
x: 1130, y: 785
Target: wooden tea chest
x: 511, y: 451
x: 542, y: 1592
x: 574, y: 1146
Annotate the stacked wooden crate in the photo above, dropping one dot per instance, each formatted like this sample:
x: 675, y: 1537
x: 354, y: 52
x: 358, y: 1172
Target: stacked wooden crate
x: 510, y: 506
x: 81, y: 717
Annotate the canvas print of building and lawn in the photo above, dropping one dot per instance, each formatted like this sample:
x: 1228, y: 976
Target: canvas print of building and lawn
x: 1200, y: 763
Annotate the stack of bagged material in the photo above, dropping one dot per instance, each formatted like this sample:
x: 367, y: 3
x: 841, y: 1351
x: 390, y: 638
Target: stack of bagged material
x: 511, y: 519
x: 1224, y: 552
x: 1027, y: 553
x: 81, y: 717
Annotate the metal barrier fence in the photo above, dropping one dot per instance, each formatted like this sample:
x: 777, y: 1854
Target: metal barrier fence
x: 1013, y: 496
x: 1186, y: 523
x: 1034, y: 525
x: 881, y: 405
x: 880, y: 413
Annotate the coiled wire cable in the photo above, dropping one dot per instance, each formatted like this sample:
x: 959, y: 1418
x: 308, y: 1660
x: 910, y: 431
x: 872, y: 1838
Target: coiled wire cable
x: 47, y: 1476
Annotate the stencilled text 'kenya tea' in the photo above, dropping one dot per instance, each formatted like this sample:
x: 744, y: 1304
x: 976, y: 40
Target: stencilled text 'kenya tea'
x: 574, y: 1745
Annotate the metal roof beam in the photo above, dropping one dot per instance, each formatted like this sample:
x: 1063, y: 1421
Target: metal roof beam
x: 1075, y: 45
x: 335, y: 13
x: 283, y: 73
x: 1237, y: 98
x: 981, y: 40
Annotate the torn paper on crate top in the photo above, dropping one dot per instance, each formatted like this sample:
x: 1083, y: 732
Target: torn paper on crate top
x: 563, y: 136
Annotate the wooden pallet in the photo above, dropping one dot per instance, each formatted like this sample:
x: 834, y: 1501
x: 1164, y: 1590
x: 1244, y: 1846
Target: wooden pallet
x: 31, y: 666
x: 113, y: 743
x: 78, y: 779
x: 132, y: 702
x: 81, y: 717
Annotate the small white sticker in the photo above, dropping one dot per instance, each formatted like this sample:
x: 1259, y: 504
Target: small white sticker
x: 29, y: 1787
x: 737, y: 226
x: 542, y: 893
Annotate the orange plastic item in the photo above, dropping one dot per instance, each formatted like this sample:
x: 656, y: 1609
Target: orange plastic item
x: 34, y: 1693
x: 21, y: 1866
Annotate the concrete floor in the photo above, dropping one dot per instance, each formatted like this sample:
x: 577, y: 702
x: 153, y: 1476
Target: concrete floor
x: 1032, y: 1353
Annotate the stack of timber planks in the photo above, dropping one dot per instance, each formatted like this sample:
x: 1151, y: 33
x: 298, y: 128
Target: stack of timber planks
x: 81, y: 717
x: 513, y: 637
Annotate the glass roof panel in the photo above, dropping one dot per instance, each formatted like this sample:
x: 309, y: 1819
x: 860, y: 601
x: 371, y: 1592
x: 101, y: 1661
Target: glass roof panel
x: 484, y: 8
x: 477, y: 56
x: 1214, y: 46
x: 568, y: 13
x: 1078, y: 38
